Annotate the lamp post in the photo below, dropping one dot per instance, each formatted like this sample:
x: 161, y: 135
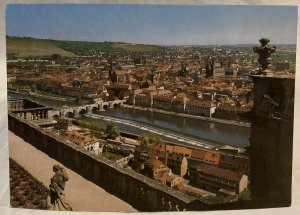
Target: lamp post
x: 172, y: 103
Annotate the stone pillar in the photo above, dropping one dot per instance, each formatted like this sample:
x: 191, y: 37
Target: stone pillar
x: 27, y: 116
x: 49, y: 114
x: 75, y: 113
x: 44, y: 114
x: 88, y: 109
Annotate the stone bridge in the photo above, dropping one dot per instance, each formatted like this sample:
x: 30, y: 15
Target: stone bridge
x: 75, y: 111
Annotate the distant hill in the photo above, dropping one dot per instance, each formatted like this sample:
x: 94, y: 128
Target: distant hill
x: 24, y: 47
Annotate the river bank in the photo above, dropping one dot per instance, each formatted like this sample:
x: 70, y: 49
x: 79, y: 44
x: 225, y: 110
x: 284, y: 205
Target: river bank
x: 223, y: 121
x: 228, y: 134
x: 57, y: 98
x: 174, y: 137
x: 216, y: 120
x: 164, y: 132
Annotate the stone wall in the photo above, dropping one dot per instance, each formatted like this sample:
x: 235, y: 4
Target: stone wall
x: 271, y: 141
x: 141, y: 192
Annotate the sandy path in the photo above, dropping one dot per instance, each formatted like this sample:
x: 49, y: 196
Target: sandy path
x: 82, y: 194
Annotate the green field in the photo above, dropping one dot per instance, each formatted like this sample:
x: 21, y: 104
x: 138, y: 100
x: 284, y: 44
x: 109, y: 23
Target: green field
x: 112, y: 156
x: 25, y: 47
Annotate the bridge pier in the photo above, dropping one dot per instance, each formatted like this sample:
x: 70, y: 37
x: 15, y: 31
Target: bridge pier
x: 75, y: 113
x: 88, y: 109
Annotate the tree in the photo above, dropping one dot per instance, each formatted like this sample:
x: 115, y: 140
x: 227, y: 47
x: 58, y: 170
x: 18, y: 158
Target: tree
x: 33, y: 88
x: 245, y: 195
x: 147, y: 139
x: 111, y: 131
x: 56, y: 57
x: 144, y: 141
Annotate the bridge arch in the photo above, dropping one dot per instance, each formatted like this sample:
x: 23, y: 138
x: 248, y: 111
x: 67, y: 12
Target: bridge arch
x: 105, y: 106
x: 116, y: 105
x: 55, y: 116
x: 82, y: 111
x: 94, y: 109
x: 69, y: 114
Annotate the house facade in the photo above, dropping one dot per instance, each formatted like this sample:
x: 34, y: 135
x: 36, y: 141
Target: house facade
x: 222, y: 181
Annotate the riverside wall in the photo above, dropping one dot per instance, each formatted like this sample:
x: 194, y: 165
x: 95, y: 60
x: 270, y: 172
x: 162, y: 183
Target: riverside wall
x: 184, y: 115
x: 141, y: 192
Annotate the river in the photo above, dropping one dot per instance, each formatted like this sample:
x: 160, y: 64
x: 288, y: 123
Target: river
x: 211, y: 131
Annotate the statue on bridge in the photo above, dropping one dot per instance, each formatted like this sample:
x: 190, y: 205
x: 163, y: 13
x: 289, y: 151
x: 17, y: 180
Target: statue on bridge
x: 264, y: 52
x: 56, y: 199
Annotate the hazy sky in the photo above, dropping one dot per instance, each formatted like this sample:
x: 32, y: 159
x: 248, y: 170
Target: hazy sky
x: 154, y: 24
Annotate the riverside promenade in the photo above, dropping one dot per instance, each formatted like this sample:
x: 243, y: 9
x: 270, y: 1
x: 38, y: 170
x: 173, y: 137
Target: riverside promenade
x: 82, y: 194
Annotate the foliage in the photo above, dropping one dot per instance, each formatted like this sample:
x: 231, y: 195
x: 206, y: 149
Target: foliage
x: 112, y: 131
x: 147, y: 139
x: 96, y: 128
x: 93, y: 125
x: 56, y: 57
x: 85, y: 48
x: 112, y: 156
x: 137, y: 47
x: 23, y: 47
x: 144, y: 141
x: 90, y: 48
x: 276, y: 57
x: 214, y: 199
x: 245, y: 195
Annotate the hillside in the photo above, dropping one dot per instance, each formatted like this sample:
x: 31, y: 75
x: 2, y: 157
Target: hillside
x: 24, y: 47
x: 137, y: 47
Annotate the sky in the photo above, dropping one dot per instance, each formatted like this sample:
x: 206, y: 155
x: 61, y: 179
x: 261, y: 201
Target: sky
x: 154, y: 24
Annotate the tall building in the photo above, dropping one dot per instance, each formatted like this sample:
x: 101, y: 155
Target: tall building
x: 271, y: 142
x: 210, y: 68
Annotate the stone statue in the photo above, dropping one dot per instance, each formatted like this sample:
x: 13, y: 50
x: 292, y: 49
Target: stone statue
x: 177, y: 206
x: 170, y: 206
x: 56, y: 199
x: 264, y: 53
x: 162, y: 204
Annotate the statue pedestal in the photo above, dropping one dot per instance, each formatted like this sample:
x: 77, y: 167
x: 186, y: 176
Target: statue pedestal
x: 268, y: 73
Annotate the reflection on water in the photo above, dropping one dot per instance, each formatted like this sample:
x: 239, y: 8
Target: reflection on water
x: 216, y: 132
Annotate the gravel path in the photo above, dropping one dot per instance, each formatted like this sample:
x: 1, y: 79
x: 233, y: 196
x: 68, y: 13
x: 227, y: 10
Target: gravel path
x: 82, y: 194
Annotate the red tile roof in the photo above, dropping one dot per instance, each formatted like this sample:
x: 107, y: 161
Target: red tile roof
x: 221, y: 173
